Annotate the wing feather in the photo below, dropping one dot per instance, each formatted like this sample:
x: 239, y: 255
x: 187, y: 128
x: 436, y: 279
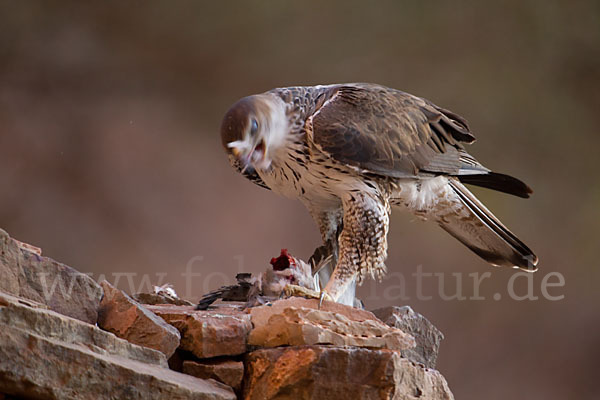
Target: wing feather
x: 389, y: 132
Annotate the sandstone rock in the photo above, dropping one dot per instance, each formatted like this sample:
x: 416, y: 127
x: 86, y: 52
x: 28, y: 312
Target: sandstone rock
x: 427, y: 336
x: 228, y: 372
x: 35, y: 318
x: 297, y: 321
x: 220, y: 332
x: 28, y: 275
x: 325, y: 372
x: 126, y: 318
x: 46, y: 355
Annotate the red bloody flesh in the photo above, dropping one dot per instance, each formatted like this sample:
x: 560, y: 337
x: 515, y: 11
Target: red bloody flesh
x: 260, y: 147
x: 284, y: 261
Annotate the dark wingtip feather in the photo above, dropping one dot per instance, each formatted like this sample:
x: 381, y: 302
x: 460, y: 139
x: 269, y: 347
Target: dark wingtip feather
x: 213, y: 296
x: 500, y: 182
x: 510, y: 252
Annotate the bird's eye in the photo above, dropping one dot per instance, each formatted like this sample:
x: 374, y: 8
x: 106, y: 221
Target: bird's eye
x: 253, y: 127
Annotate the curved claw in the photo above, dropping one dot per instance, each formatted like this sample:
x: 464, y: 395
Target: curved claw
x: 324, y: 296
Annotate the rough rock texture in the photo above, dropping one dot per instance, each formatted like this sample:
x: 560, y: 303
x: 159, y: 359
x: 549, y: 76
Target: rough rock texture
x: 154, y: 298
x: 325, y: 372
x: 229, y: 372
x: 126, y: 318
x: 28, y: 275
x: 220, y: 332
x: 46, y: 355
x: 297, y: 321
x: 427, y: 336
x: 51, y: 348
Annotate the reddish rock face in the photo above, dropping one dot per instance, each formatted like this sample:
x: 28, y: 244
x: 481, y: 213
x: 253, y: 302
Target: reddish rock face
x: 298, y: 321
x: 220, y: 332
x: 128, y: 319
x: 28, y: 275
x: 46, y: 355
x: 228, y: 372
x: 331, y: 352
x: 327, y: 372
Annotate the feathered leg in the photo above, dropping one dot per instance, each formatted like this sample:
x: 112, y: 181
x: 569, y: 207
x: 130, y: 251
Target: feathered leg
x: 362, y: 243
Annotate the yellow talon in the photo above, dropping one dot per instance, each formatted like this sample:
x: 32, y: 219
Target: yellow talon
x: 300, y: 291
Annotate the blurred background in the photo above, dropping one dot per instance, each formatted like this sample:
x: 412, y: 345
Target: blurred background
x: 110, y: 157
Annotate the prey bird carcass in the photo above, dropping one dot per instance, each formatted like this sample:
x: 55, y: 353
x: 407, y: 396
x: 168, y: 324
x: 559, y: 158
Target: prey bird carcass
x: 284, y: 272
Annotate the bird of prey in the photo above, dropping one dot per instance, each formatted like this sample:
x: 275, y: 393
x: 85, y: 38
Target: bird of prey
x: 351, y: 152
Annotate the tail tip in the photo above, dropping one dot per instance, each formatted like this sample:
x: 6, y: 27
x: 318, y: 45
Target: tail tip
x: 528, y: 263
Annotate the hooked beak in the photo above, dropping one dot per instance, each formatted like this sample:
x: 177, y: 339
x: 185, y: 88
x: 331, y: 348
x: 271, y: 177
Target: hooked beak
x: 256, y: 157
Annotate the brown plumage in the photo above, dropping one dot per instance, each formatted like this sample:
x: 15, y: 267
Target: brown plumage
x: 392, y: 133
x: 349, y: 152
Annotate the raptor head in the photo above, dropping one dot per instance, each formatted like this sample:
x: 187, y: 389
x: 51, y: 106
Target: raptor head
x: 254, y: 129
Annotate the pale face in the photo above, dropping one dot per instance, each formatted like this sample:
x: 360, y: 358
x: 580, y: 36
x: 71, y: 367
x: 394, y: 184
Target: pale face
x: 251, y: 150
x: 254, y: 129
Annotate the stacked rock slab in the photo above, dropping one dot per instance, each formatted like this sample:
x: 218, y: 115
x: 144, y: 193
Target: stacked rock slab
x: 333, y: 352
x: 294, y: 349
x: 298, y: 321
x: 46, y: 355
x: 28, y: 275
x: 328, y: 372
x: 229, y: 372
x: 128, y: 319
x: 219, y: 332
x: 50, y: 346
